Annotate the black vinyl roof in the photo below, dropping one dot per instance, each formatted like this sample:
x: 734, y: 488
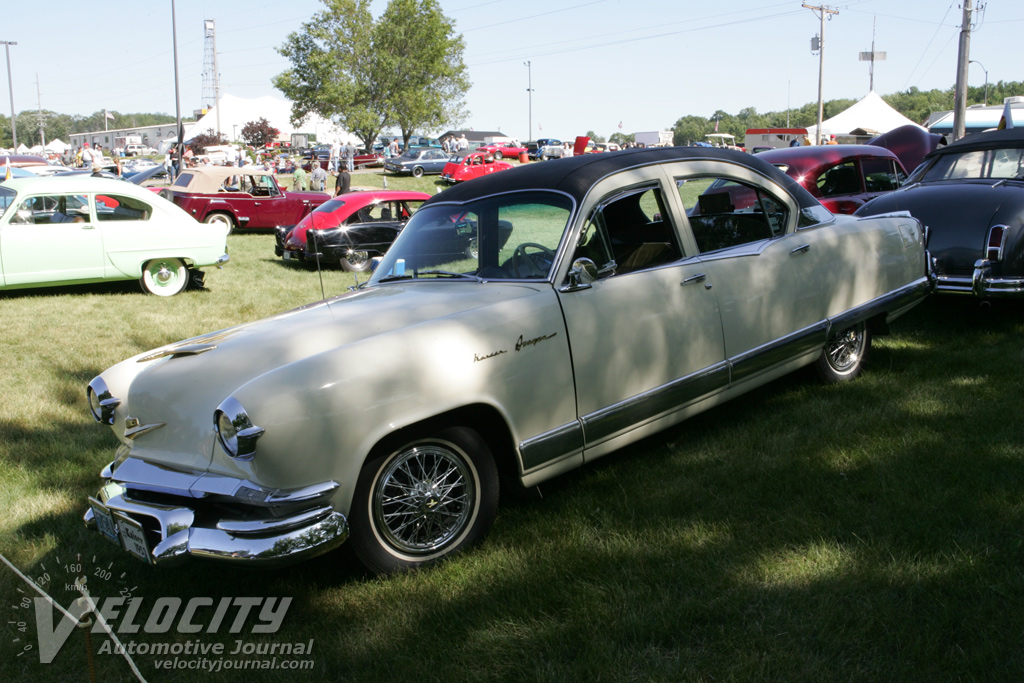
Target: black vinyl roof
x: 995, y: 139
x: 576, y: 175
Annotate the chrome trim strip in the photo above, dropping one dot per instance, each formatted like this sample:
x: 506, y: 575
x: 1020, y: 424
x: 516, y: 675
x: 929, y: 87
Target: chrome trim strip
x: 607, y: 422
x: 551, y: 445
x: 133, y: 430
x: 791, y: 346
x: 267, y: 526
x: 894, y: 300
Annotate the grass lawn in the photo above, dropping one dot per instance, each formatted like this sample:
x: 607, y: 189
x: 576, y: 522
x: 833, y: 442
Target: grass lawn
x: 865, y: 532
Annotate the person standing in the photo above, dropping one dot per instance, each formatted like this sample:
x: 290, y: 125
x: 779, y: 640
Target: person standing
x: 300, y: 182
x: 318, y: 178
x: 395, y: 151
x: 350, y: 156
x: 343, y: 183
x: 332, y: 161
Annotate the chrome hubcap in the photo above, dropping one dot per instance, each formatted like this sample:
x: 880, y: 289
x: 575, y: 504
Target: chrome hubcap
x: 164, y: 275
x: 423, y: 499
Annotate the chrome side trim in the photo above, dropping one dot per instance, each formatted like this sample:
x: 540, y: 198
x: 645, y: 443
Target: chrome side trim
x: 177, y: 351
x: 894, y: 300
x: 607, y: 422
x: 551, y: 445
x: 266, y: 526
x: 791, y: 346
x: 133, y: 430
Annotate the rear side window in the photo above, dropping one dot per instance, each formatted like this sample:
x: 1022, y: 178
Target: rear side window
x: 121, y: 208
x: 725, y: 212
x: 839, y: 180
x: 880, y: 175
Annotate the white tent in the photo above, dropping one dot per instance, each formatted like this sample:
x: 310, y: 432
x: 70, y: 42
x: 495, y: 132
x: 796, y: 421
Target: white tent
x: 235, y: 112
x: 871, y: 114
x: 22, y: 149
x: 56, y: 145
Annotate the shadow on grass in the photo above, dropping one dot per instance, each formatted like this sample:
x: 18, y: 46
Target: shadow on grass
x: 865, y: 531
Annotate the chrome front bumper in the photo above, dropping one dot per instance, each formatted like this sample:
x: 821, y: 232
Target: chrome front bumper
x: 981, y: 283
x: 165, y: 526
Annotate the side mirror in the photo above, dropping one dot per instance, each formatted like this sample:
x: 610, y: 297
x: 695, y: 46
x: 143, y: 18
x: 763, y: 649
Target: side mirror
x: 581, y: 276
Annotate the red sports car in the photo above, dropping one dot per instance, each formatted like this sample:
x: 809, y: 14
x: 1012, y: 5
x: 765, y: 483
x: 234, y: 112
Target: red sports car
x: 350, y: 229
x: 472, y: 165
x: 503, y: 149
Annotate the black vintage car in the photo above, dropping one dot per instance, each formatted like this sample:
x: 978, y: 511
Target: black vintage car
x: 970, y: 197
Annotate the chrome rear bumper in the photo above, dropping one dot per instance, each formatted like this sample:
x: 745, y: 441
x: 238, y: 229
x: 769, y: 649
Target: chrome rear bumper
x: 981, y: 283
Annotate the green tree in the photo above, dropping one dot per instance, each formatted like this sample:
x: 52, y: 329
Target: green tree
x: 199, y: 143
x: 419, y: 55
x: 594, y: 137
x: 259, y: 133
x: 621, y: 138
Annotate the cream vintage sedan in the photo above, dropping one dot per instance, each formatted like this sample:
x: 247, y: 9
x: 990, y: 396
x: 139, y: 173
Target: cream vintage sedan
x: 600, y: 299
x: 75, y: 230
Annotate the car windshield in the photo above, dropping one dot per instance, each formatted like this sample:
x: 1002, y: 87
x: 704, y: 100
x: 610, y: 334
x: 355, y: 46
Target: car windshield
x: 6, y: 199
x: 994, y: 164
x: 509, y: 237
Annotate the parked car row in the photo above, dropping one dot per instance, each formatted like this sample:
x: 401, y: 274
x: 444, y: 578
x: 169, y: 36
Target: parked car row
x: 520, y: 325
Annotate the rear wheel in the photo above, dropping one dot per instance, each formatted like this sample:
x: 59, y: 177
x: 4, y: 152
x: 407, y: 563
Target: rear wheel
x: 219, y: 218
x: 424, y: 501
x: 417, y: 172
x: 844, y: 354
x: 164, y: 277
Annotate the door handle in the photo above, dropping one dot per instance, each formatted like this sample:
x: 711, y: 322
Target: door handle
x: 802, y: 249
x: 693, y: 279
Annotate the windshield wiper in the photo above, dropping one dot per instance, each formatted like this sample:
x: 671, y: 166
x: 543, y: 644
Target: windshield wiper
x: 392, y: 278
x: 448, y: 273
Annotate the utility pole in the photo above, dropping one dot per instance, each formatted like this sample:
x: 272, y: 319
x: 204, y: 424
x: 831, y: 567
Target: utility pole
x: 177, y: 93
x: 10, y: 88
x: 821, y: 11
x: 529, y: 89
x: 962, y: 61
x: 872, y: 57
x: 39, y: 108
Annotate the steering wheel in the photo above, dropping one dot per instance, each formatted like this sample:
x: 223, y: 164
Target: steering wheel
x: 527, y: 265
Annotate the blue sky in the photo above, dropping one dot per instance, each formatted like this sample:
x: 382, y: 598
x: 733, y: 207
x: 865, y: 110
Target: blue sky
x: 594, y: 63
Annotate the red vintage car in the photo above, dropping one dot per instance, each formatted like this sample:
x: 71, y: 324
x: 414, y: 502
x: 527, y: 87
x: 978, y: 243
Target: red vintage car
x: 246, y: 197
x: 473, y: 165
x: 350, y: 229
x: 842, y: 177
x: 504, y: 149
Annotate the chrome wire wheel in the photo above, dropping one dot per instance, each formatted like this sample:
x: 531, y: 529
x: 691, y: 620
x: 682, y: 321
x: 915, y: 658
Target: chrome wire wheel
x: 425, y: 499
x: 843, y: 357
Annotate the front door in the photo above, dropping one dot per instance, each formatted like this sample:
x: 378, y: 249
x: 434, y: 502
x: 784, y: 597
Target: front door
x: 645, y: 335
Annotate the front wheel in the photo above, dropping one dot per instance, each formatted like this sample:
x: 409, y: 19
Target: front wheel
x: 356, y: 261
x: 164, y: 277
x: 424, y: 501
x: 844, y: 354
x: 498, y: 154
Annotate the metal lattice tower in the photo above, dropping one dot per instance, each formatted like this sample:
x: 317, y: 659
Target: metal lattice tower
x: 211, y: 76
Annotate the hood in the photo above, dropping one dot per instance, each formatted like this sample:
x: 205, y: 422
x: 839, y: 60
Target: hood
x: 958, y: 216
x: 182, y: 384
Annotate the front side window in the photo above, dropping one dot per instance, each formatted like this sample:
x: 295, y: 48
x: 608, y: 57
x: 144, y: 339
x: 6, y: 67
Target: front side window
x: 51, y: 209
x: 725, y: 212
x: 264, y: 186
x: 508, y: 237
x: 628, y: 232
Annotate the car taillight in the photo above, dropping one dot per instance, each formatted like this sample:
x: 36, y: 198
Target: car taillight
x: 996, y: 240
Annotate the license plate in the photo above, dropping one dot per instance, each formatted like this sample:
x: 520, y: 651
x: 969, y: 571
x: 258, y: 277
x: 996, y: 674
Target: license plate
x: 288, y: 256
x: 133, y: 538
x: 104, y: 521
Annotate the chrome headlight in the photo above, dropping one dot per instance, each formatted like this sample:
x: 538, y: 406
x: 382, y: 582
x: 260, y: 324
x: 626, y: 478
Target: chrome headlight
x: 236, y: 432
x: 101, y: 403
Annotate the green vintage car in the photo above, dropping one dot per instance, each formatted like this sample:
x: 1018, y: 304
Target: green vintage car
x: 63, y: 231
x: 605, y: 297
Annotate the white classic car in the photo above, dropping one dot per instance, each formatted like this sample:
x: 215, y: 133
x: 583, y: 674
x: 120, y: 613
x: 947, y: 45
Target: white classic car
x: 520, y: 326
x: 75, y: 229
